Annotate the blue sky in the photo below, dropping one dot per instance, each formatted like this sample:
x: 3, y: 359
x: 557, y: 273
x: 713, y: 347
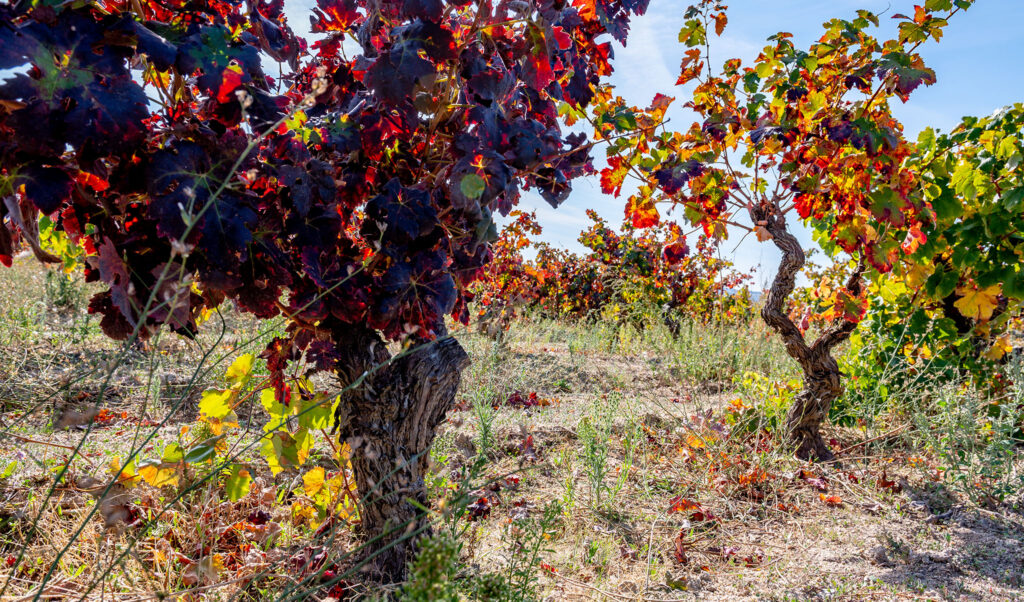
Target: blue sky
x: 979, y: 64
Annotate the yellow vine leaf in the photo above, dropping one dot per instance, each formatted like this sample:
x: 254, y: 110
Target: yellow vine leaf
x: 269, y: 450
x: 313, y: 481
x: 999, y: 348
x: 127, y: 476
x: 343, y: 456
x: 215, y: 404
x: 158, y: 475
x: 978, y: 304
x: 240, y: 369
x: 218, y: 426
x: 918, y: 274
x: 303, y: 514
x: 237, y: 482
x: 695, y: 442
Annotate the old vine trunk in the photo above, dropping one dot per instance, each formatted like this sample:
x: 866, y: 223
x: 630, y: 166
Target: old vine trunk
x: 821, y: 372
x: 389, y: 418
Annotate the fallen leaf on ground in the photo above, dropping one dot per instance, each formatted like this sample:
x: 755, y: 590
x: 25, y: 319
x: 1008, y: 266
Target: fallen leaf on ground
x: 831, y: 500
x: 891, y: 486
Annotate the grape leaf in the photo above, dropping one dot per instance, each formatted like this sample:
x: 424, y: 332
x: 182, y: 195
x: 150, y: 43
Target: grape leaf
x: 215, y: 403
x: 240, y: 369
x: 978, y: 304
x: 237, y: 482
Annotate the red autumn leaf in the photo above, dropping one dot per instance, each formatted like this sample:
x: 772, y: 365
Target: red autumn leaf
x: 680, y: 504
x: 920, y: 15
x: 479, y: 509
x: 675, y: 252
x: 562, y: 38
x: 537, y: 72
x: 342, y: 589
x: 753, y: 559
x: 891, y: 486
x: 701, y: 516
x: 587, y: 9
x: 681, y: 545
x: 819, y: 483
x: 231, y: 80
x: 96, y: 183
x: 613, y: 176
x: 641, y: 212
x: 915, y: 238
x: 690, y: 67
x: 658, y: 106
x: 660, y: 102
x: 515, y: 399
x: 720, y: 22
x: 527, y: 450
x: 530, y: 400
x: 335, y: 16
x: 846, y: 306
x: 830, y: 500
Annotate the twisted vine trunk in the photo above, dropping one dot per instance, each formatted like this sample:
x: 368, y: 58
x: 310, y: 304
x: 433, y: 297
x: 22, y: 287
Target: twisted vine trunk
x: 389, y: 419
x: 822, y: 383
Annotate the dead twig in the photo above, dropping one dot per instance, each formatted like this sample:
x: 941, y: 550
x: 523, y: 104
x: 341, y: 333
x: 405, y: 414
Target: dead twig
x: 891, y: 433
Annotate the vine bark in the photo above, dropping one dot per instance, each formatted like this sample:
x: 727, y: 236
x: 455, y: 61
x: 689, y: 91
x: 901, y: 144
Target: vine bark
x: 822, y: 384
x: 389, y: 419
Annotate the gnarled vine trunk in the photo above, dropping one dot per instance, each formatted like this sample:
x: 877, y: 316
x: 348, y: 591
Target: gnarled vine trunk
x: 821, y: 372
x: 390, y: 418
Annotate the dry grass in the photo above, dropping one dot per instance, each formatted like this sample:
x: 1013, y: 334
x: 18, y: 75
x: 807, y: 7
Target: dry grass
x: 773, y: 536
x: 696, y: 501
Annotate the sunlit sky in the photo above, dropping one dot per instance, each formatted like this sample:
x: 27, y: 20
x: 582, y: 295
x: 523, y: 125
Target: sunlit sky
x: 979, y: 64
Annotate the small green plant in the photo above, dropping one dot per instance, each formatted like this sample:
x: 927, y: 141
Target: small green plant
x: 568, y: 464
x: 762, y: 402
x: 485, y: 415
x: 454, y: 495
x: 594, y: 433
x: 527, y: 539
x: 976, y: 441
x: 895, y: 546
x: 632, y: 437
x: 430, y: 574
x: 63, y: 292
x: 595, y: 455
x: 597, y: 555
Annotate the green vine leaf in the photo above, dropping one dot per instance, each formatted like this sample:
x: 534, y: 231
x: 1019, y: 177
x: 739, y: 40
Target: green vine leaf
x: 237, y: 482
